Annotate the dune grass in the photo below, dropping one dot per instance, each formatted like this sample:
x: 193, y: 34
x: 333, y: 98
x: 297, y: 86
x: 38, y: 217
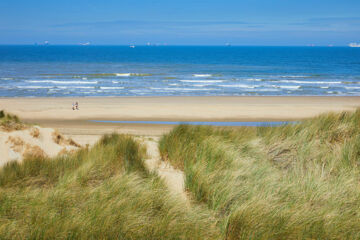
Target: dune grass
x: 104, y: 192
x: 288, y: 182
x: 297, y: 181
x: 10, y: 122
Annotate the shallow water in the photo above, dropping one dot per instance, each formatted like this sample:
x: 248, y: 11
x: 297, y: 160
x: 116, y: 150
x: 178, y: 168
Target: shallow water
x: 223, y: 124
x: 60, y: 71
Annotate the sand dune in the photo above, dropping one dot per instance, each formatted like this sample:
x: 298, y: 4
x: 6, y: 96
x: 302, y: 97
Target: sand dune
x: 15, y: 145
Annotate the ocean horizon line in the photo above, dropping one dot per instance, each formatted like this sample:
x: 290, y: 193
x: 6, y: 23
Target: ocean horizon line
x: 167, y: 45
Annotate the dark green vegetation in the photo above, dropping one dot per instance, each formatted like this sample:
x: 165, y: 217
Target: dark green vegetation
x: 100, y: 193
x: 289, y: 182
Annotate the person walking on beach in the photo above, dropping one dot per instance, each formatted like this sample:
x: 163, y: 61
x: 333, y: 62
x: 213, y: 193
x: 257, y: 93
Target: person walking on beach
x: 77, y: 105
x: 73, y: 106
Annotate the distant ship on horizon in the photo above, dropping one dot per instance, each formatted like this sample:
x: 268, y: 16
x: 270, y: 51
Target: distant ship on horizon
x: 354, y: 45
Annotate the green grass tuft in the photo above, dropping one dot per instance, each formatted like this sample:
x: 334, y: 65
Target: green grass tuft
x: 10, y: 122
x: 103, y: 192
x: 289, y: 182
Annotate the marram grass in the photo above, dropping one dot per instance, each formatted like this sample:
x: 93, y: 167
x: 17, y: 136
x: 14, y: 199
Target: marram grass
x: 10, y: 122
x: 297, y: 181
x: 289, y: 182
x: 100, y: 193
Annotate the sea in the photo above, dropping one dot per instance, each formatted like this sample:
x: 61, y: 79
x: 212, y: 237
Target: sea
x: 69, y: 71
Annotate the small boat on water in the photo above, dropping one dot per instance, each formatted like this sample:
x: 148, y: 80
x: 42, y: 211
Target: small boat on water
x: 132, y: 46
x: 354, y: 45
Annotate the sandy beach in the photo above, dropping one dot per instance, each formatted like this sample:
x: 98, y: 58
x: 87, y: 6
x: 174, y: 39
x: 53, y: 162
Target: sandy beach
x: 58, y: 113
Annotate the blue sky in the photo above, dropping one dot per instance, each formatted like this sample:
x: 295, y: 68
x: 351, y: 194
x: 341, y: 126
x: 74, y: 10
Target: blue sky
x: 185, y: 22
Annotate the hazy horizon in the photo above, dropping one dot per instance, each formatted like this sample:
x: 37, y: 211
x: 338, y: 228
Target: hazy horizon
x: 193, y: 23
x: 163, y: 45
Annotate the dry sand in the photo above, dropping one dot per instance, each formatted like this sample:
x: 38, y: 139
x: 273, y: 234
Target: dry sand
x: 173, y: 178
x: 14, y: 145
x: 57, y: 112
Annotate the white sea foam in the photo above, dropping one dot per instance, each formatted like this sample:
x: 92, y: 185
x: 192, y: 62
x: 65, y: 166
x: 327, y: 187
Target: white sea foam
x: 352, y: 88
x: 267, y: 90
x: 5, y: 78
x: 132, y: 74
x: 183, y: 89
x: 325, y: 87
x: 238, y: 86
x: 202, y: 81
x: 34, y: 87
x: 294, y: 76
x: 111, y: 88
x: 254, y: 79
x: 139, y: 90
x: 62, y: 82
x: 289, y: 87
x: 310, y: 82
x: 71, y: 87
x: 123, y: 74
x: 202, y: 75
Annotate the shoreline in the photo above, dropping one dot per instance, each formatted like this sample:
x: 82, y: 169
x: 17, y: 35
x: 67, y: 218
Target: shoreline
x: 178, y: 108
x: 57, y: 112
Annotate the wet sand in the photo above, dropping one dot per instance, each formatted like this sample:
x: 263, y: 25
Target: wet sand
x: 58, y: 113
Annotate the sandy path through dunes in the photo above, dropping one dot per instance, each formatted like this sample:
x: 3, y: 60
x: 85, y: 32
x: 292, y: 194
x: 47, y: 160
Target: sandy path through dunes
x: 173, y: 178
